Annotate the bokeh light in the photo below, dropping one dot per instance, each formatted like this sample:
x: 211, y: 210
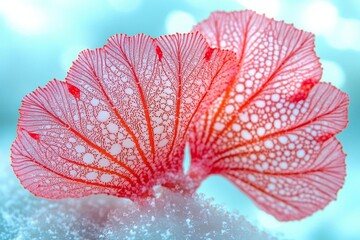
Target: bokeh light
x: 24, y: 17
x: 70, y: 54
x: 179, y: 21
x: 124, y: 5
x: 269, y: 8
x: 345, y: 34
x: 319, y: 17
x: 333, y: 72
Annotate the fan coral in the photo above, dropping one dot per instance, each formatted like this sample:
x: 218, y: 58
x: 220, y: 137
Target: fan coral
x: 272, y: 132
x: 241, y: 89
x: 118, y: 122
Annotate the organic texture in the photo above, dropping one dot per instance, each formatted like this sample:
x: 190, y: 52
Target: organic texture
x: 248, y: 102
x: 271, y: 132
x: 117, y: 125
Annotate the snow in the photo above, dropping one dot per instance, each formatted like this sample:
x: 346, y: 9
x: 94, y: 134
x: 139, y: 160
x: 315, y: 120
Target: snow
x: 168, y: 216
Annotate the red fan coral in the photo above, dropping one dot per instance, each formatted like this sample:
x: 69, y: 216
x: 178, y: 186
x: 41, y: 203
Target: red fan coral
x: 118, y: 123
x: 252, y: 112
x: 271, y: 132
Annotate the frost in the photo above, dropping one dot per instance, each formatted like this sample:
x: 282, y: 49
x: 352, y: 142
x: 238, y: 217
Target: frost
x: 168, y: 216
x: 174, y: 216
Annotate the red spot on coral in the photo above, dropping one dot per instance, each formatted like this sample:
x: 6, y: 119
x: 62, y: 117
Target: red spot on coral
x: 208, y: 53
x: 159, y: 52
x: 34, y: 136
x: 308, y: 84
x: 303, y: 91
x: 73, y: 90
x: 324, y: 137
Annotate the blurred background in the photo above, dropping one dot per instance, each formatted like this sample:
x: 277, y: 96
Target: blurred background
x: 40, y: 39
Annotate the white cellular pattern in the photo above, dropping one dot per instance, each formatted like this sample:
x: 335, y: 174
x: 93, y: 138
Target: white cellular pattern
x: 271, y: 133
x: 117, y: 125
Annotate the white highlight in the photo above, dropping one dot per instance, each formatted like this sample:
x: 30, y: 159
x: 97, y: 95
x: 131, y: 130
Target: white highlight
x: 128, y: 143
x: 129, y: 91
x: 258, y: 75
x: 275, y: 97
x: 293, y: 137
x: 260, y: 103
x: 25, y: 17
x: 265, y: 166
x: 88, y: 158
x: 170, y: 102
x: 239, y: 87
x: 277, y: 124
x: 246, y: 134
x: 115, y: 149
x: 271, y: 186
x: 251, y: 178
x: 80, y: 149
x: 254, y: 118
x: 103, y: 116
x: 300, y: 153
x: 260, y: 131
x: 244, y: 117
x: 236, y: 127
x: 229, y: 109
x: 319, y: 17
x: 219, y: 126
x: 105, y: 178
x: 248, y: 83
x: 269, y: 144
x: 104, y: 162
x: 158, y: 129
x: 73, y: 173
x: 283, y: 139
x: 163, y: 143
x: 168, y: 90
x: 91, y: 175
x: 112, y: 128
x: 239, y: 98
x: 94, y: 102
x: 283, y: 165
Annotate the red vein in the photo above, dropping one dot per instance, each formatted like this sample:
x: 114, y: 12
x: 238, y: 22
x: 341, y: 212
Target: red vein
x: 146, y: 113
x: 266, y: 193
x: 228, y: 90
x: 273, y: 134
x: 250, y: 99
x: 91, y: 144
x: 72, y: 179
x: 178, y: 103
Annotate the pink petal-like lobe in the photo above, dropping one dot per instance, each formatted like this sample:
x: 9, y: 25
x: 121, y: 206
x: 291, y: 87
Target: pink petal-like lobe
x: 271, y: 132
x: 117, y: 125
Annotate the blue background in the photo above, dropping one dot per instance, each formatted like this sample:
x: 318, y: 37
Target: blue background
x: 40, y: 39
